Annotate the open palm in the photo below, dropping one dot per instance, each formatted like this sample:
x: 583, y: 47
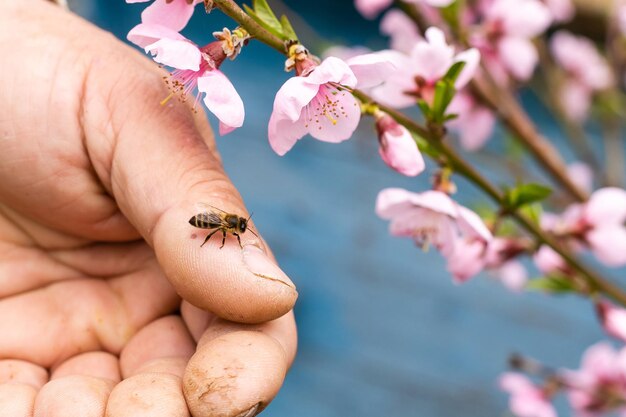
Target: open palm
x: 97, y: 184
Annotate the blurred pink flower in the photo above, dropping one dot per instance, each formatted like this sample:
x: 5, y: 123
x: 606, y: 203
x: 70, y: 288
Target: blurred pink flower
x: 561, y: 10
x: 599, y: 386
x: 527, y: 400
x: 474, y: 123
x: 433, y: 218
x: 602, y: 223
x: 513, y: 275
x: 194, y: 68
x: 318, y: 100
x: 174, y: 14
x: 621, y: 17
x: 371, y: 8
x: 613, y: 319
x: 397, y: 147
x: 586, y: 69
x: 418, y: 73
x: 582, y: 175
x: 506, y: 43
x: 401, y: 29
x: 548, y: 261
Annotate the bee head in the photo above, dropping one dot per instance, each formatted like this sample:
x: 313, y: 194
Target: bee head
x: 243, y: 224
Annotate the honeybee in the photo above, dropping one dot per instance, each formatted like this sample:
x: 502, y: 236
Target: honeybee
x: 221, y: 221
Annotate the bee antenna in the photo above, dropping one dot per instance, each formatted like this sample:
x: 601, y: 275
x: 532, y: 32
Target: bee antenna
x: 249, y: 228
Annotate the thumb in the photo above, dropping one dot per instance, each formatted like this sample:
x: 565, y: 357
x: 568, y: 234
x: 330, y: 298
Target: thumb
x: 160, y: 164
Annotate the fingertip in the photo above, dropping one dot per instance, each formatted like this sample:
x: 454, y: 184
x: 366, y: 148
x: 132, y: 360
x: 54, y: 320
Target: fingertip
x: 236, y: 283
x: 235, y: 374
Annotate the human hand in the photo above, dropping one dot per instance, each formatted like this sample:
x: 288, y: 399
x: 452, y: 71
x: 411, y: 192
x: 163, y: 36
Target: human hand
x: 97, y: 184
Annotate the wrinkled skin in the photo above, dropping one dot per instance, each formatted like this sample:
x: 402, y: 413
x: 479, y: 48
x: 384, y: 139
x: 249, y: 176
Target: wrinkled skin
x: 97, y: 184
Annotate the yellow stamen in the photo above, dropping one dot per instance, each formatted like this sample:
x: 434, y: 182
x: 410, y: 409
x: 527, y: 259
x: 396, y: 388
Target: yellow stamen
x: 166, y: 99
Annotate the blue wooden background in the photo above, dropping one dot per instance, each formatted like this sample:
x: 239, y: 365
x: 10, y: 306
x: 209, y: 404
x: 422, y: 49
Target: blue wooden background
x: 383, y: 331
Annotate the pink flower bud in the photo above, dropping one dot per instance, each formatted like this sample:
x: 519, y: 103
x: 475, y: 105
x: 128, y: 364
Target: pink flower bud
x: 613, y: 319
x: 398, y: 148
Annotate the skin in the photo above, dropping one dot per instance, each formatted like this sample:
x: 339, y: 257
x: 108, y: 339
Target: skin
x: 105, y: 292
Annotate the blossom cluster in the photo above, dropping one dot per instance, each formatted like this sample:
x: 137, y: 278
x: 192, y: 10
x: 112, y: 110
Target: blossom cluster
x: 454, y: 71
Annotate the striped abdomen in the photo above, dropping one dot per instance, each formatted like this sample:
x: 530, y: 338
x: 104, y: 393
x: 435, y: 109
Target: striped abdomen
x: 205, y: 221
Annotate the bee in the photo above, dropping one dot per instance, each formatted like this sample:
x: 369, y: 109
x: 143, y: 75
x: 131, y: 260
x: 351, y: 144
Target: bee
x: 221, y: 221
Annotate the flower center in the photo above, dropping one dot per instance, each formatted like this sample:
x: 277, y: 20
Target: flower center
x: 326, y: 104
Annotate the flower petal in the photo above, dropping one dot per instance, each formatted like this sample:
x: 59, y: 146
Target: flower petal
x: 398, y: 148
x: 466, y: 260
x: 283, y: 133
x: 371, y: 8
x: 170, y: 13
x: 293, y: 96
x: 180, y: 54
x: 221, y: 98
x: 471, y: 57
x: 513, y: 275
x: 608, y: 244
x: 334, y: 70
x: 333, y: 115
x: 392, y: 202
x: 472, y: 225
x: 402, y: 30
x: 606, y: 206
x: 145, y: 34
x: 523, y: 18
x: 519, y: 56
x: 432, y: 59
x: 375, y: 68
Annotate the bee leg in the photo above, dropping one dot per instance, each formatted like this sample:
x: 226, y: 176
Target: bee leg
x: 209, y: 237
x: 223, y: 238
x: 238, y: 240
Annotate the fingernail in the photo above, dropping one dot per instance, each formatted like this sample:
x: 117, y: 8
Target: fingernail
x: 257, y: 262
x: 251, y: 412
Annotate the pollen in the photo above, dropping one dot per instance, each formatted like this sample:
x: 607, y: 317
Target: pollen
x: 327, y: 105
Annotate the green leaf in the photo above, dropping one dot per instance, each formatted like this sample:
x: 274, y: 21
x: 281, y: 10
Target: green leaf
x: 288, y: 31
x: 554, y: 284
x: 454, y: 71
x: 425, y: 108
x: 533, y: 212
x: 265, y: 13
x: 526, y: 194
x: 444, y: 93
x: 264, y: 16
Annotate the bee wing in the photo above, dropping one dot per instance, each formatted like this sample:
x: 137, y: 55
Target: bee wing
x: 204, y: 207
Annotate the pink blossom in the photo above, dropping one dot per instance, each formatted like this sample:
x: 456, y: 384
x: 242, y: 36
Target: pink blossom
x: 397, y: 147
x: 602, y: 222
x: 586, y: 70
x: 513, y: 275
x: 527, y: 400
x: 548, y: 261
x: 194, y: 68
x: 505, y: 43
x: 613, y: 319
x: 318, y: 100
x: 474, y: 123
x: 599, y: 386
x: 581, y: 175
x: 401, y: 29
x: 597, y: 224
x: 418, y: 73
x: 371, y: 8
x: 561, y: 10
x: 173, y: 14
x: 433, y: 218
